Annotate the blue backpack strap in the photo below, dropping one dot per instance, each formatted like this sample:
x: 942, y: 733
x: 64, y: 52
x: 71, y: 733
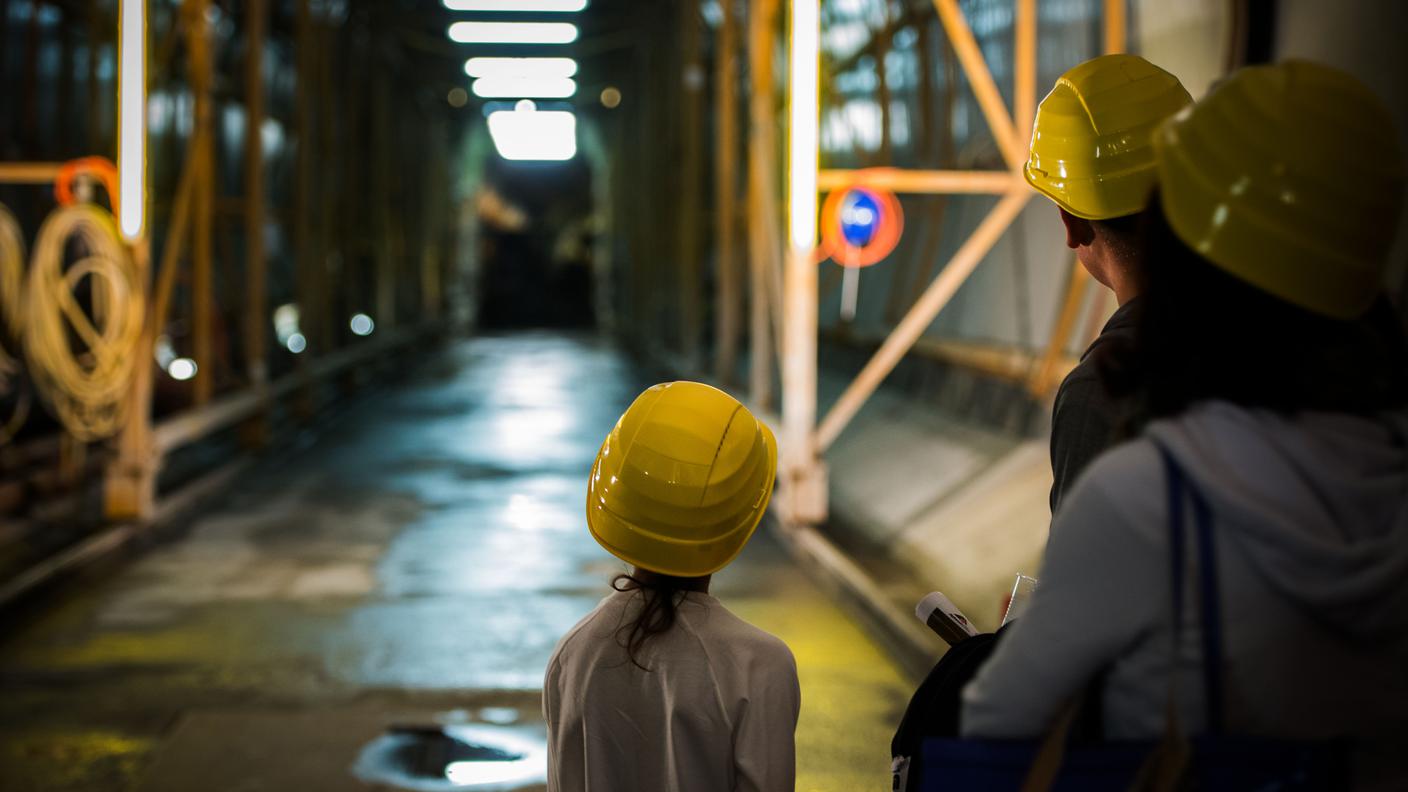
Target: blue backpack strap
x: 1211, y: 601
x: 1176, y: 540
x: 1180, y: 490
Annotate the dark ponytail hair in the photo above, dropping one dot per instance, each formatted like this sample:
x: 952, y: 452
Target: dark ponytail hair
x: 662, y: 595
x: 1201, y: 333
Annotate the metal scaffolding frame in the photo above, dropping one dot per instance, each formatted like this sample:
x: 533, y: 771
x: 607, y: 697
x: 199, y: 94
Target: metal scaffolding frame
x: 188, y: 248
x: 802, y: 482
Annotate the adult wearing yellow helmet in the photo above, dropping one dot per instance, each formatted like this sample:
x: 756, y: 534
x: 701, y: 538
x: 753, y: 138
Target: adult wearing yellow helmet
x: 661, y: 687
x: 1092, y: 154
x: 1272, y: 375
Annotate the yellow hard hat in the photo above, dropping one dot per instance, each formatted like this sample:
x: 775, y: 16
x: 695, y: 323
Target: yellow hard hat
x: 1091, y: 150
x: 1290, y: 178
x: 682, y: 480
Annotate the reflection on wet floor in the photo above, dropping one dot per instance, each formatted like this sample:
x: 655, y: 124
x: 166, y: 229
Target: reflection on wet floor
x: 449, y: 758
x: 423, y: 556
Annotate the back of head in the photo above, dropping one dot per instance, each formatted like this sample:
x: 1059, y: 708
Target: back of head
x: 1288, y: 177
x: 1091, y: 151
x: 1265, y: 250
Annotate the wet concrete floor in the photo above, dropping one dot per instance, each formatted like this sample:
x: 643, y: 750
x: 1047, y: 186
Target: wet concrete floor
x: 414, y: 565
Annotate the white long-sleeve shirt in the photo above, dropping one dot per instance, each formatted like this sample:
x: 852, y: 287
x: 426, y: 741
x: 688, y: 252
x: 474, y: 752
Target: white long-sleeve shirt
x: 1310, y: 519
x: 716, y: 711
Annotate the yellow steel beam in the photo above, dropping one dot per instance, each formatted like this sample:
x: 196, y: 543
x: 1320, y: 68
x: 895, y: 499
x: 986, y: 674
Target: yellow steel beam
x: 914, y: 323
x: 688, y: 281
x: 1024, y: 74
x: 29, y: 172
x: 256, y: 288
x: 804, y: 490
x: 763, y: 246
x: 920, y: 181
x: 1115, y: 25
x: 980, y: 79
x: 202, y: 298
x: 729, y: 297
x: 1049, y: 371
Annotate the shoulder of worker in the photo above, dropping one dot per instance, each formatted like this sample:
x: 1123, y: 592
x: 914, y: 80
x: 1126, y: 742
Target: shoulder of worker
x: 1118, y: 327
x: 742, y: 643
x: 1123, y: 486
x: 608, y: 610
x: 1080, y: 387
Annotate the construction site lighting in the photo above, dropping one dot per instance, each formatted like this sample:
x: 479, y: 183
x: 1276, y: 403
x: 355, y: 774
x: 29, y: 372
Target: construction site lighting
x: 362, y: 325
x: 286, y: 321
x: 803, y: 114
x: 524, y: 87
x: 528, y: 134
x: 549, y: 6
x: 132, y: 117
x: 182, y: 369
x: 521, y: 67
x: 513, y: 32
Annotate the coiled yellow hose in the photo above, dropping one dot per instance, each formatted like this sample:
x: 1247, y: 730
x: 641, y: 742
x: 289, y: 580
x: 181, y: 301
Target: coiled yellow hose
x: 11, y: 274
x: 11, y: 319
x: 82, y: 361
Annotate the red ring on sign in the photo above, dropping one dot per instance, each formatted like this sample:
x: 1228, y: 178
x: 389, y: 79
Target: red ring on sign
x: 99, y: 167
x: 887, y: 235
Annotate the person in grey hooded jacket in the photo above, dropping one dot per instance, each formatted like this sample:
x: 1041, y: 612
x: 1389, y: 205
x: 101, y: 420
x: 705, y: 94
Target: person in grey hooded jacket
x: 1274, y: 375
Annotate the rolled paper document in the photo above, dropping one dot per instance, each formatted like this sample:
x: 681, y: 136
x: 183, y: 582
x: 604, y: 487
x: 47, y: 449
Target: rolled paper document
x: 944, y: 618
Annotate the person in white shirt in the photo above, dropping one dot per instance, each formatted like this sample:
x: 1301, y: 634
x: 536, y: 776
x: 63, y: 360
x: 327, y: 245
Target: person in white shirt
x: 661, y: 688
x: 1273, y: 377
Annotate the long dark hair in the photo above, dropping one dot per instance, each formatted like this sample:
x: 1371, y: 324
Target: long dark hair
x: 1202, y: 334
x: 661, y: 600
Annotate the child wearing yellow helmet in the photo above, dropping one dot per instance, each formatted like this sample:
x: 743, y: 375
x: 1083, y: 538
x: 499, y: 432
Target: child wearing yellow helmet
x: 661, y: 687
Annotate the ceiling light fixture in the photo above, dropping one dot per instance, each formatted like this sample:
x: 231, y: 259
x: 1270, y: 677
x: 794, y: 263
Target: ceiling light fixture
x: 552, y: 6
x: 520, y: 67
x: 513, y: 32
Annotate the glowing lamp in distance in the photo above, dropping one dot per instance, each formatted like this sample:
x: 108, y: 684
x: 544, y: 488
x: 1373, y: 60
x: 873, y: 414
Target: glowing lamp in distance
x: 550, y: 6
x: 362, y: 325
x: 132, y: 117
x: 182, y: 369
x: 546, y: 68
x: 803, y: 100
x: 524, y: 87
x: 513, y: 32
x: 527, y: 134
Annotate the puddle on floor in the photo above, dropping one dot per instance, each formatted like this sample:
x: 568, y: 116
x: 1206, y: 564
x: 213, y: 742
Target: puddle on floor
x: 436, y: 758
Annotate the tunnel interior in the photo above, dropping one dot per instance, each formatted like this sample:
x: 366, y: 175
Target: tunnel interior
x: 315, y: 316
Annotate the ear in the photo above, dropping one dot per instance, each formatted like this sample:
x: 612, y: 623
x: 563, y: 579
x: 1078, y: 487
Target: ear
x: 1079, y: 231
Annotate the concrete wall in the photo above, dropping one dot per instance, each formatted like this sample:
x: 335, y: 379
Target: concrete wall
x: 1188, y: 38
x: 1366, y: 39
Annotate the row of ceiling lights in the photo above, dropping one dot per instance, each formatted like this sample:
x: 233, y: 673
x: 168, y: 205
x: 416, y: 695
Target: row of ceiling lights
x: 524, y: 133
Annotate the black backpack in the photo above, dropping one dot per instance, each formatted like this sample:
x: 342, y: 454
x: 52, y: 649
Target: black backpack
x: 934, y: 708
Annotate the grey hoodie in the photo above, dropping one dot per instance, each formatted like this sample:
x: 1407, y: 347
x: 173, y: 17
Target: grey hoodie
x: 1318, y: 504
x: 1310, y: 516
